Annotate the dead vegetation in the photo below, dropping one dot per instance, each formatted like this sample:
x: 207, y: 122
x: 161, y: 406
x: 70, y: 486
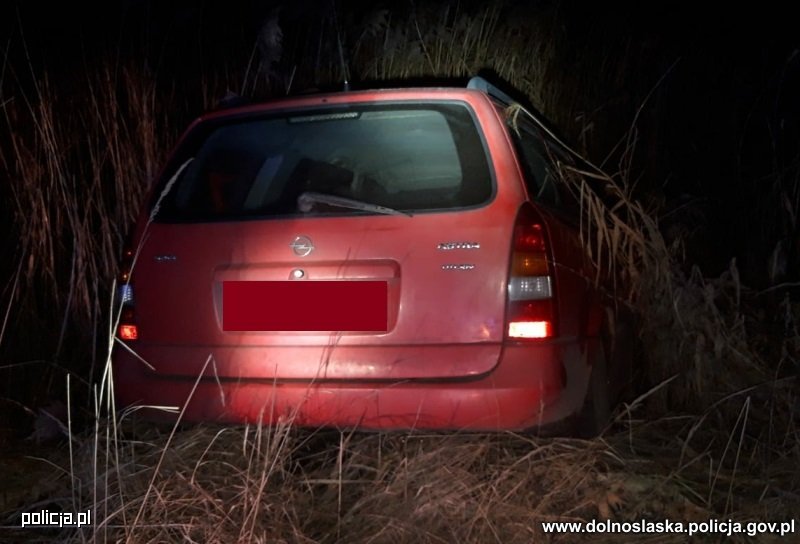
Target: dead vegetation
x: 209, y: 484
x: 713, y: 436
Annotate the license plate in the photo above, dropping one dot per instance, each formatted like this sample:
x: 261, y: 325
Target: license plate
x: 357, y: 306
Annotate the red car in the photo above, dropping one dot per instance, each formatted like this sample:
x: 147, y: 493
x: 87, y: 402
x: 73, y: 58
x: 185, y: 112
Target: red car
x: 376, y: 259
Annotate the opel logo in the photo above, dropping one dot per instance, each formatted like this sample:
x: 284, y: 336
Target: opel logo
x: 302, y: 246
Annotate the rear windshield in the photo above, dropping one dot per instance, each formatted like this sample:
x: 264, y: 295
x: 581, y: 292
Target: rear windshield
x: 405, y: 157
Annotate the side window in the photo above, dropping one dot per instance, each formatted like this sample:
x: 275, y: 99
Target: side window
x: 539, y: 175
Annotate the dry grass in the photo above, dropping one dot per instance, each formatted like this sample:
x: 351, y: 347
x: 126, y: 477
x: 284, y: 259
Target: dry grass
x: 281, y: 484
x: 77, y: 177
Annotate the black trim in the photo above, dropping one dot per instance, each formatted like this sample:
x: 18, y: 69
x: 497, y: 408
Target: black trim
x: 482, y: 84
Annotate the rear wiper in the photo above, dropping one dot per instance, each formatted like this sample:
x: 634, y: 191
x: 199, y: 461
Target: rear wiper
x: 306, y: 201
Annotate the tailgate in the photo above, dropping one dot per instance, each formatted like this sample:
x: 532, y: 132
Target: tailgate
x: 445, y: 295
x: 285, y: 197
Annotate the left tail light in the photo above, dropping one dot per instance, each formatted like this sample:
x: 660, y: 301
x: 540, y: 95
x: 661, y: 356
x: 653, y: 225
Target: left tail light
x: 127, y: 328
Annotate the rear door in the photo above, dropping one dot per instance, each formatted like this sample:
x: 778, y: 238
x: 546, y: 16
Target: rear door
x: 276, y: 197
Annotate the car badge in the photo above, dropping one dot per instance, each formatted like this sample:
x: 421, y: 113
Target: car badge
x: 302, y: 246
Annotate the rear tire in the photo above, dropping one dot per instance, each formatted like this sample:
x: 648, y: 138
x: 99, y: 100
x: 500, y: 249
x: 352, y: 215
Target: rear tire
x: 595, y: 414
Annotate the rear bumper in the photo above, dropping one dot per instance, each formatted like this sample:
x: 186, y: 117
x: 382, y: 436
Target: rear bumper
x: 531, y: 386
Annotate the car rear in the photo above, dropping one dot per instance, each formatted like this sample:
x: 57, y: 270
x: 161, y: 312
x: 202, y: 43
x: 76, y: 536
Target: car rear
x: 361, y: 259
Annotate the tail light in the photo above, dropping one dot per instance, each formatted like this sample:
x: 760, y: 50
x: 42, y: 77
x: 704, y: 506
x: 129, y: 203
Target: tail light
x: 126, y: 329
x: 530, y: 313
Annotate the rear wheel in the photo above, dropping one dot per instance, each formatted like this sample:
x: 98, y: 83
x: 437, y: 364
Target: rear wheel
x: 596, y: 411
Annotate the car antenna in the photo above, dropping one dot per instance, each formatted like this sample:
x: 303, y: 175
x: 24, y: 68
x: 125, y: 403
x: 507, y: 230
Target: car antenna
x: 345, y: 70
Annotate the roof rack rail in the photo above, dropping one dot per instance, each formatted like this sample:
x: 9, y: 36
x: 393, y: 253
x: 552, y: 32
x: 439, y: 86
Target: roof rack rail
x: 482, y: 84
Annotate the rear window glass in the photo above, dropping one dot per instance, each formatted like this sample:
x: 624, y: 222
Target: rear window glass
x: 403, y: 157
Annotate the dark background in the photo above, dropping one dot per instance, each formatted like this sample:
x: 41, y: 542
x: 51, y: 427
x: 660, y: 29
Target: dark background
x: 719, y: 127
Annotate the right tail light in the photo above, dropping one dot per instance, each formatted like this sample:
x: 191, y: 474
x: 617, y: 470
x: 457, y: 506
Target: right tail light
x: 530, y: 312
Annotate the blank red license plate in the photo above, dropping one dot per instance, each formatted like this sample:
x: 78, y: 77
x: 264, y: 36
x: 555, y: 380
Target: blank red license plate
x: 304, y: 306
